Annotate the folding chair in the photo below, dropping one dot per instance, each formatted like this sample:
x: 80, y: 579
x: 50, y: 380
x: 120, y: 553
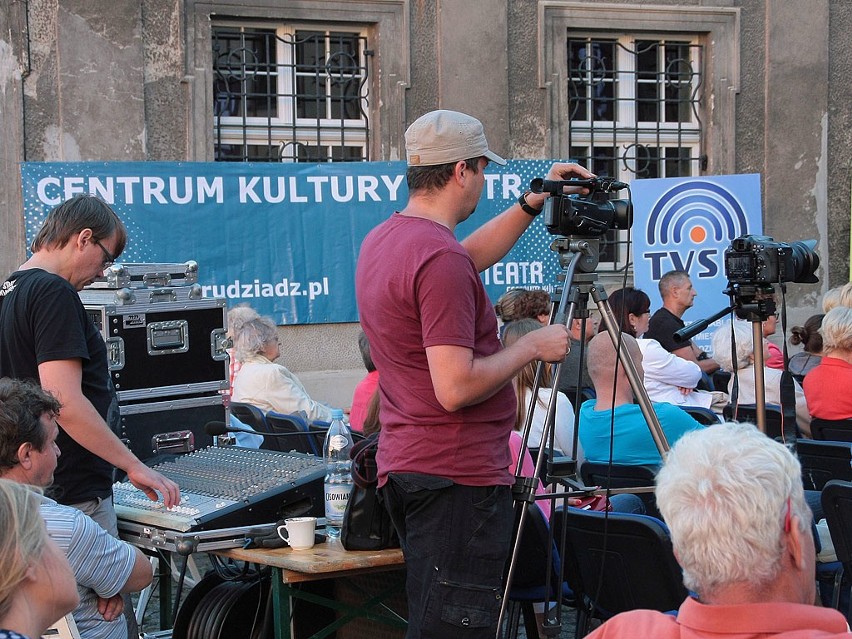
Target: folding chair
x: 702, y: 415
x: 616, y: 562
x: 301, y: 441
x: 823, y: 461
x: 529, y: 581
x: 836, y: 430
x: 622, y: 476
x: 249, y: 415
x: 837, y: 504
x: 748, y: 413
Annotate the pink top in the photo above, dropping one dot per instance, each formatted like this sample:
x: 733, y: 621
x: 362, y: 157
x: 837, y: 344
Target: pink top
x: 361, y: 400
x: 527, y: 470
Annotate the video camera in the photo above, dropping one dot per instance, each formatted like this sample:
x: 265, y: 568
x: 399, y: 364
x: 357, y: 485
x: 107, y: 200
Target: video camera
x: 591, y: 215
x: 758, y: 259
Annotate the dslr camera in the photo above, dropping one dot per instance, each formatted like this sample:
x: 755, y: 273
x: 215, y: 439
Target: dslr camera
x: 758, y: 259
x: 591, y: 215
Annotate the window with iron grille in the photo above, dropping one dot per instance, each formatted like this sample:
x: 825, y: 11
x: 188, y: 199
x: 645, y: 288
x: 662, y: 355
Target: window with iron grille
x: 290, y: 94
x: 634, y: 106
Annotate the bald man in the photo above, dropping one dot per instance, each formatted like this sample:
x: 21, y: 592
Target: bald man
x: 633, y: 445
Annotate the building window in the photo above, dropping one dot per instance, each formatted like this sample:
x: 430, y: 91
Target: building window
x: 641, y: 90
x: 634, y: 106
x: 290, y: 94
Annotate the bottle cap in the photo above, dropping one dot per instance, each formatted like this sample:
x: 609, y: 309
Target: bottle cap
x: 337, y: 413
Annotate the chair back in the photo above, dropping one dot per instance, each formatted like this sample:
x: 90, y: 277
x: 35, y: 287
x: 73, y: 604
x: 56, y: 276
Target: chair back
x: 622, y: 476
x: 281, y: 423
x: 531, y: 566
x: 837, y: 430
x: 616, y: 562
x: 837, y: 504
x: 532, y: 572
x: 823, y: 461
x: 249, y: 415
x: 702, y: 415
x: 748, y: 413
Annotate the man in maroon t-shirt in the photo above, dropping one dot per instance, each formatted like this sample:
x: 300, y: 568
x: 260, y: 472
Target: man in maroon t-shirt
x: 447, y: 401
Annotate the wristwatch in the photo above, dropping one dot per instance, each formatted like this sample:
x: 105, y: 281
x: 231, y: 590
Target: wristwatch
x: 526, y: 207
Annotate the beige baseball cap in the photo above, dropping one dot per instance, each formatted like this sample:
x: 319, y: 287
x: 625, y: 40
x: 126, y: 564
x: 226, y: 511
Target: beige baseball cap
x: 441, y: 137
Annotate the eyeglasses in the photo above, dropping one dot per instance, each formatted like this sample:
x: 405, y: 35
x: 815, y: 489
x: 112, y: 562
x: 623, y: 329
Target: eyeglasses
x: 109, y: 260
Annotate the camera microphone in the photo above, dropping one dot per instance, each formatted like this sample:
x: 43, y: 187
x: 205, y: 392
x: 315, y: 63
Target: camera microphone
x: 555, y: 187
x: 609, y: 185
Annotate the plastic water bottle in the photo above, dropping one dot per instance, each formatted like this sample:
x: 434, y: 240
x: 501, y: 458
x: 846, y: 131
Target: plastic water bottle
x: 338, y: 473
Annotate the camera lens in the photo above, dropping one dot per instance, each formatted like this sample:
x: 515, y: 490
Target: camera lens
x: 805, y: 261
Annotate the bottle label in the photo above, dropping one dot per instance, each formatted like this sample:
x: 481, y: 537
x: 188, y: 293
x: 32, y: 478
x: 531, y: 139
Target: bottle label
x: 336, y: 498
x: 337, y: 442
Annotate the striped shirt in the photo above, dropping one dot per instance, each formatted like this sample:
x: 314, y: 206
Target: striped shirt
x: 101, y: 563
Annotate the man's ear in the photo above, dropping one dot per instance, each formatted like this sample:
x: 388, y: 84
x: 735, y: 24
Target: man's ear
x: 83, y: 237
x: 796, y: 543
x: 24, y: 455
x: 460, y: 171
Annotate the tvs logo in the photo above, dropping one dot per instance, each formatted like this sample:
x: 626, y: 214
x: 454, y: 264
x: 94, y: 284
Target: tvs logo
x: 693, y: 223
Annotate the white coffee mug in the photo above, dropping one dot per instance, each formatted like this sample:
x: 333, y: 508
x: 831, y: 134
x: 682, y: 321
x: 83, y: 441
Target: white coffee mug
x: 298, y: 532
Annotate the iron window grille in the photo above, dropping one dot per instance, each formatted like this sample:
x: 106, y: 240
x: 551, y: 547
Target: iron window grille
x: 635, y: 112
x: 290, y: 94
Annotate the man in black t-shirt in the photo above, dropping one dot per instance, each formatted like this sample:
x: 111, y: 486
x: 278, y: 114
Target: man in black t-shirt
x: 46, y: 335
x: 678, y: 295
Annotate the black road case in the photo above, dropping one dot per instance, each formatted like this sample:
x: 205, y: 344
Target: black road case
x: 160, y: 349
x: 170, y: 426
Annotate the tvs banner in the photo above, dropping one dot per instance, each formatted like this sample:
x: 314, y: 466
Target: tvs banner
x: 686, y: 224
x: 283, y: 238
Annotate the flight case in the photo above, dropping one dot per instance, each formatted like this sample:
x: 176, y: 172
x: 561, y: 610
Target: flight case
x: 167, y: 354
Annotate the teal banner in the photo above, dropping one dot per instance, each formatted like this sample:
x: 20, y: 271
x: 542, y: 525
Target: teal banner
x: 283, y: 238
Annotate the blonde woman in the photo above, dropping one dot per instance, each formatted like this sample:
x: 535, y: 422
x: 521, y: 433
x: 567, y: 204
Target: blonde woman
x: 37, y: 587
x: 564, y: 421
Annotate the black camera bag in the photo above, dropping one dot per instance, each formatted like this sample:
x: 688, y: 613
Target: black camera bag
x: 366, y: 523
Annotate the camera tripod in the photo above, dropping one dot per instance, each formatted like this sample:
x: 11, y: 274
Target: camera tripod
x: 575, y: 254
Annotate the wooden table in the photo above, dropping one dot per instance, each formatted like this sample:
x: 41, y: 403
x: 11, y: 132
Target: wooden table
x: 324, y: 561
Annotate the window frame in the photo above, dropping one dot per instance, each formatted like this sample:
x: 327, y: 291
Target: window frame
x: 384, y: 21
x: 717, y: 29
x: 294, y: 131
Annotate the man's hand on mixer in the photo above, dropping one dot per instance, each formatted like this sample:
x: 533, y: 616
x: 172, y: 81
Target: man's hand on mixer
x: 150, y: 482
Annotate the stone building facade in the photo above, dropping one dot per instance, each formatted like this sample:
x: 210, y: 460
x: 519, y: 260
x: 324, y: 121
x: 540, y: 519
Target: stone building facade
x: 734, y: 86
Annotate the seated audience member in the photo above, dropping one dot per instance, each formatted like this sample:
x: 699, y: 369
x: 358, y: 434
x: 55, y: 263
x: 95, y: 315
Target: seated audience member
x: 775, y: 357
x: 741, y: 531
x: 564, y: 418
x: 678, y: 296
x: 613, y: 410
x: 237, y: 316
x: 37, y: 585
x: 365, y: 388
x: 808, y: 336
x: 743, y: 362
x: 668, y: 378
x: 520, y: 303
x: 261, y: 382
x: 828, y: 387
x: 573, y: 369
x: 104, y: 567
x: 838, y: 296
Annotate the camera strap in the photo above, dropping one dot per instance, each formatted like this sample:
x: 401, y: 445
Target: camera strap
x: 790, y: 430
